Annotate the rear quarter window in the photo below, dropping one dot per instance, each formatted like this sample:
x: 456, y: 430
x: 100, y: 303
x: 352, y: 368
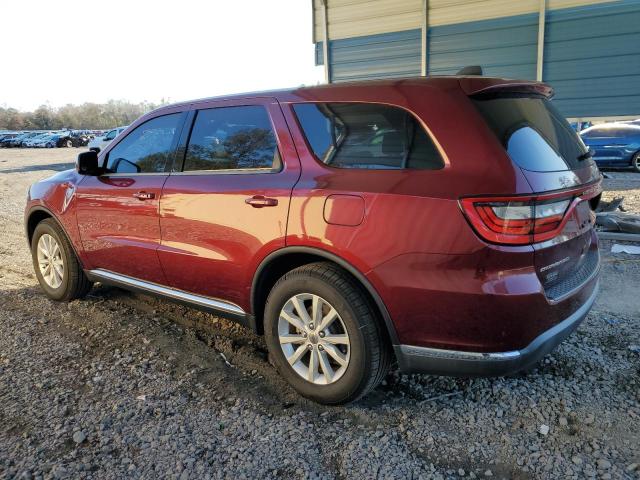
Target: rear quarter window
x: 366, y: 136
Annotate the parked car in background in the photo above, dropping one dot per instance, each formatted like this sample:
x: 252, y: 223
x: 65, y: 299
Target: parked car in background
x: 71, y: 139
x: 48, y: 141
x: 36, y: 139
x: 99, y: 143
x: 66, y: 138
x: 6, y: 137
x: 445, y: 224
x: 15, y: 141
x: 30, y: 136
x: 614, y: 144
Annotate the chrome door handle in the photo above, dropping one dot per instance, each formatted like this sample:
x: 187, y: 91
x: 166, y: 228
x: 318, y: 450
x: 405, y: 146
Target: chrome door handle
x: 144, y: 195
x: 259, y: 201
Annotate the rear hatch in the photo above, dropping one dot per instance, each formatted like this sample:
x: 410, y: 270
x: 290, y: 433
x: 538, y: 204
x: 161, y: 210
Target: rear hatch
x: 561, y: 173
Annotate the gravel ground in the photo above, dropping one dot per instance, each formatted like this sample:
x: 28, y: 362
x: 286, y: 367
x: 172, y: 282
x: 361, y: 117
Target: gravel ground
x: 623, y: 184
x: 122, y: 385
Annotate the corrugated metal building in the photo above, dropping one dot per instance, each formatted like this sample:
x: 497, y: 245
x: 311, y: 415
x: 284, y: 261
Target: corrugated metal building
x: 588, y: 50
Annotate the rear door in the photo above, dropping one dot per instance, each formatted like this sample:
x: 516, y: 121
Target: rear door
x: 558, y: 166
x: 226, y: 207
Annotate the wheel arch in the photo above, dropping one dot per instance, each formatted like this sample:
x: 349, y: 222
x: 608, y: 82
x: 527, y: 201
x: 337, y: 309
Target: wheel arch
x: 34, y: 217
x: 286, y: 259
x: 39, y: 213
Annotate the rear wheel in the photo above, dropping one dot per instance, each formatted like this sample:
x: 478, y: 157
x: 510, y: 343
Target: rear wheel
x: 323, y: 335
x: 635, y: 162
x: 56, y: 265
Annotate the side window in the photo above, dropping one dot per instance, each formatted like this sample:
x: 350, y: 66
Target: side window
x: 621, y: 132
x: 367, y: 135
x: 147, y: 149
x: 232, y: 138
x: 111, y: 135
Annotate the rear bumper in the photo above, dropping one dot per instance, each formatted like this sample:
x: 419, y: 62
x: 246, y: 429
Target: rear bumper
x: 435, y: 361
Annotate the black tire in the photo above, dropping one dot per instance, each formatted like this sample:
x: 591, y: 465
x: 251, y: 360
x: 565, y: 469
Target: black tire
x: 635, y: 162
x: 69, y: 144
x: 370, y: 353
x: 75, y: 283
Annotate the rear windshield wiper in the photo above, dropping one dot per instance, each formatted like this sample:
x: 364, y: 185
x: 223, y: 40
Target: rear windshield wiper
x: 585, y: 156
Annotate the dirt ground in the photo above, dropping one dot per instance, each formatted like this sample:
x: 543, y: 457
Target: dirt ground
x: 121, y: 385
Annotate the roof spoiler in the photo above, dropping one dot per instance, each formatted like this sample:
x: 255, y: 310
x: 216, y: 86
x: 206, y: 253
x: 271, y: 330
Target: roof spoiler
x: 487, y: 87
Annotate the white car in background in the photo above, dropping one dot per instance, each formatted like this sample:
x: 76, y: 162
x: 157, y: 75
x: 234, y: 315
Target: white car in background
x: 99, y: 142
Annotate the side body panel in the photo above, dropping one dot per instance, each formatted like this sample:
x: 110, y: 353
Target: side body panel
x: 443, y: 287
x: 413, y: 230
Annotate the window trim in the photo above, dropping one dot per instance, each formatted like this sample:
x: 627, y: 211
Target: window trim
x: 182, y: 114
x: 183, y: 147
x: 445, y: 159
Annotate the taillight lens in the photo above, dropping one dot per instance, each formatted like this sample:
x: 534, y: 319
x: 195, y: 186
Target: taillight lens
x: 518, y: 220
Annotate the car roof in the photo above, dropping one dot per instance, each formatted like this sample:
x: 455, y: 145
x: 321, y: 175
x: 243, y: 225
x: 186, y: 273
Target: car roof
x: 469, y: 84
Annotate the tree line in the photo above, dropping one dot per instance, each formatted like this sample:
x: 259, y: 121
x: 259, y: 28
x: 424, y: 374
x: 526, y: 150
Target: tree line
x: 93, y: 116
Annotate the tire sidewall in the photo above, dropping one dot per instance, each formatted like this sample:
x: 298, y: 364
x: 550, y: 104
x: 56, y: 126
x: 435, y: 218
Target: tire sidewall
x: 54, y: 293
x: 359, y: 359
x: 635, y: 162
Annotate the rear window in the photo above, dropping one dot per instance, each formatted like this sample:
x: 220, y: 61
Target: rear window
x: 536, y: 136
x: 364, y: 135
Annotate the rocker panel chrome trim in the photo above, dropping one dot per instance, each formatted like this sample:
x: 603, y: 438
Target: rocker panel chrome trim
x: 154, y: 288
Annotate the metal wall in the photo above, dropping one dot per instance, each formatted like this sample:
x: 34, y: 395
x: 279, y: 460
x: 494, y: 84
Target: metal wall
x: 395, y: 54
x: 356, y: 18
x: 503, y: 46
x: 591, y: 47
x: 592, y: 59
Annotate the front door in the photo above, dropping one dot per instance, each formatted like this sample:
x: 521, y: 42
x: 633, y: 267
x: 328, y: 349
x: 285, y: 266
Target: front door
x: 117, y: 212
x: 227, y: 207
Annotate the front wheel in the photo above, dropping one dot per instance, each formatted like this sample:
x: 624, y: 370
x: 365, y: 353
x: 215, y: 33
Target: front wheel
x: 323, y: 334
x: 56, y: 265
x: 635, y: 162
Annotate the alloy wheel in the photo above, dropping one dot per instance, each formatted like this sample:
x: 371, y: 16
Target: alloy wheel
x: 50, y: 261
x: 314, y: 339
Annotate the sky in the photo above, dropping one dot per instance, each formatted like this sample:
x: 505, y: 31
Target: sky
x: 80, y: 51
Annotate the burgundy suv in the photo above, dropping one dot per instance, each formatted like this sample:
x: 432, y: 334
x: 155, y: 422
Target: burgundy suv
x: 445, y: 224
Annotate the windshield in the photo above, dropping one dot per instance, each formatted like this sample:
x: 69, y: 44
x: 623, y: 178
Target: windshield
x: 536, y: 136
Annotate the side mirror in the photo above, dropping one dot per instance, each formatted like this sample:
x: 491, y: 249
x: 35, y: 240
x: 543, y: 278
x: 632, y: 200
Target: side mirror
x: 87, y: 163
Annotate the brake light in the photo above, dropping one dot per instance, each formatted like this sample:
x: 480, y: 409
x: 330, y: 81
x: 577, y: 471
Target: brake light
x: 517, y: 220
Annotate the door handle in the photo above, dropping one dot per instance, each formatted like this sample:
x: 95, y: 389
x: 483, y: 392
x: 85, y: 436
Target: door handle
x: 144, y: 195
x: 259, y: 201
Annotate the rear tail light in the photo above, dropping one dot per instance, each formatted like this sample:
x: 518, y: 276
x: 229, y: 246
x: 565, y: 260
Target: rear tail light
x: 517, y: 220
x: 527, y: 218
